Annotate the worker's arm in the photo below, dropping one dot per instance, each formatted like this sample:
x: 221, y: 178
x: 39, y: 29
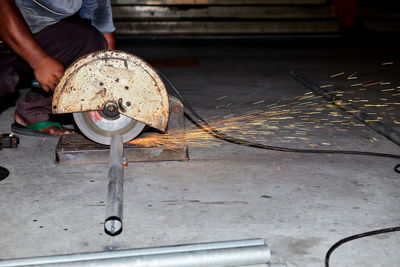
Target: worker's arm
x: 110, y: 38
x: 16, y: 34
x: 100, y: 14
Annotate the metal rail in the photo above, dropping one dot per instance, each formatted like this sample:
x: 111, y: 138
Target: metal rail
x: 226, y: 253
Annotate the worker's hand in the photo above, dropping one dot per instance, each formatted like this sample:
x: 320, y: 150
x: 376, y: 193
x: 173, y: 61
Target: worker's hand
x: 48, y: 73
x: 16, y: 34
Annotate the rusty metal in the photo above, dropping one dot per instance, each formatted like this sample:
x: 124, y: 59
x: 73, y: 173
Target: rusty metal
x: 76, y: 149
x: 113, y: 77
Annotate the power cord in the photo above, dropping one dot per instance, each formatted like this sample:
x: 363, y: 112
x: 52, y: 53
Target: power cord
x: 357, y: 236
x: 201, y: 123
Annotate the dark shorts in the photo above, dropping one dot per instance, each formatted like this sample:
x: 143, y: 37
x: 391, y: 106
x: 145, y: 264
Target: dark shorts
x: 66, y: 41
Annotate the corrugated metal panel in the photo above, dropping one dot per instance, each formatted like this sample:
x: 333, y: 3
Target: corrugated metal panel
x: 221, y: 12
x: 219, y: 2
x: 225, y: 27
x: 215, y: 17
x: 382, y: 16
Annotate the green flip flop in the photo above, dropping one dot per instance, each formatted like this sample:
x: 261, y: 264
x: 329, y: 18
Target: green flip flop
x: 33, y: 129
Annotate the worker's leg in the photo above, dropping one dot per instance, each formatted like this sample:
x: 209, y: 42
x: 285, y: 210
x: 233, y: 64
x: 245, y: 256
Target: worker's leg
x: 66, y: 41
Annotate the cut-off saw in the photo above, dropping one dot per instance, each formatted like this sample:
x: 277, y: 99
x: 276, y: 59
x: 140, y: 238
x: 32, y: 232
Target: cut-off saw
x: 113, y: 96
x: 112, y: 92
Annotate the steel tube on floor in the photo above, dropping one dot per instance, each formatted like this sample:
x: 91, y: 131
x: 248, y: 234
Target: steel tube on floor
x: 202, y: 258
x: 245, y: 252
x: 113, y: 221
x: 138, y: 252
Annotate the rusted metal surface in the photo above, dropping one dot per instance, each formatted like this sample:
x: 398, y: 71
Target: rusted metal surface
x: 76, y: 149
x: 117, y: 77
x: 176, y: 124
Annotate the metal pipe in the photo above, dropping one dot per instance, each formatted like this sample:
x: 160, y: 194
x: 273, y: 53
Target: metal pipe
x: 226, y: 253
x: 113, y: 221
x: 203, y: 258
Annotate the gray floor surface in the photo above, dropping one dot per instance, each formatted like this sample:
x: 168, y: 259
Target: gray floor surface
x: 301, y: 204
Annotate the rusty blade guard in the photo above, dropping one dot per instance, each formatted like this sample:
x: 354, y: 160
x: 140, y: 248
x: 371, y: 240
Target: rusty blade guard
x: 113, y: 77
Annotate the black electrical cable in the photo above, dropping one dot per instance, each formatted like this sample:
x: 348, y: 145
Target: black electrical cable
x: 200, y: 122
x: 357, y: 236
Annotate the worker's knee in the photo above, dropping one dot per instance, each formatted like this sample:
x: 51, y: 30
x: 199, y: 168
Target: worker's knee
x: 95, y: 41
x: 71, y: 39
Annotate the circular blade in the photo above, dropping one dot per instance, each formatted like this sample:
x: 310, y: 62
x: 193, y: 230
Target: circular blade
x: 100, y: 128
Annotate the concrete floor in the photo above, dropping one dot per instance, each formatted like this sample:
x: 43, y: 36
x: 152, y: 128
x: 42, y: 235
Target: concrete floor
x: 301, y: 204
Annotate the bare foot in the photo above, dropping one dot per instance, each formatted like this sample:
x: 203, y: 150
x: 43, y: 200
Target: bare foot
x: 52, y: 130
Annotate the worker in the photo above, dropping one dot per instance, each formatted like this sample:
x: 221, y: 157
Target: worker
x: 45, y: 37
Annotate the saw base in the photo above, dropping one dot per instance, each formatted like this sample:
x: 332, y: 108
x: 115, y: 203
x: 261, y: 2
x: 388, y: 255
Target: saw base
x: 77, y: 149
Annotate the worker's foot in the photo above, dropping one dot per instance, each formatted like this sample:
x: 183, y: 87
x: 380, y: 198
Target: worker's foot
x: 42, y: 128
